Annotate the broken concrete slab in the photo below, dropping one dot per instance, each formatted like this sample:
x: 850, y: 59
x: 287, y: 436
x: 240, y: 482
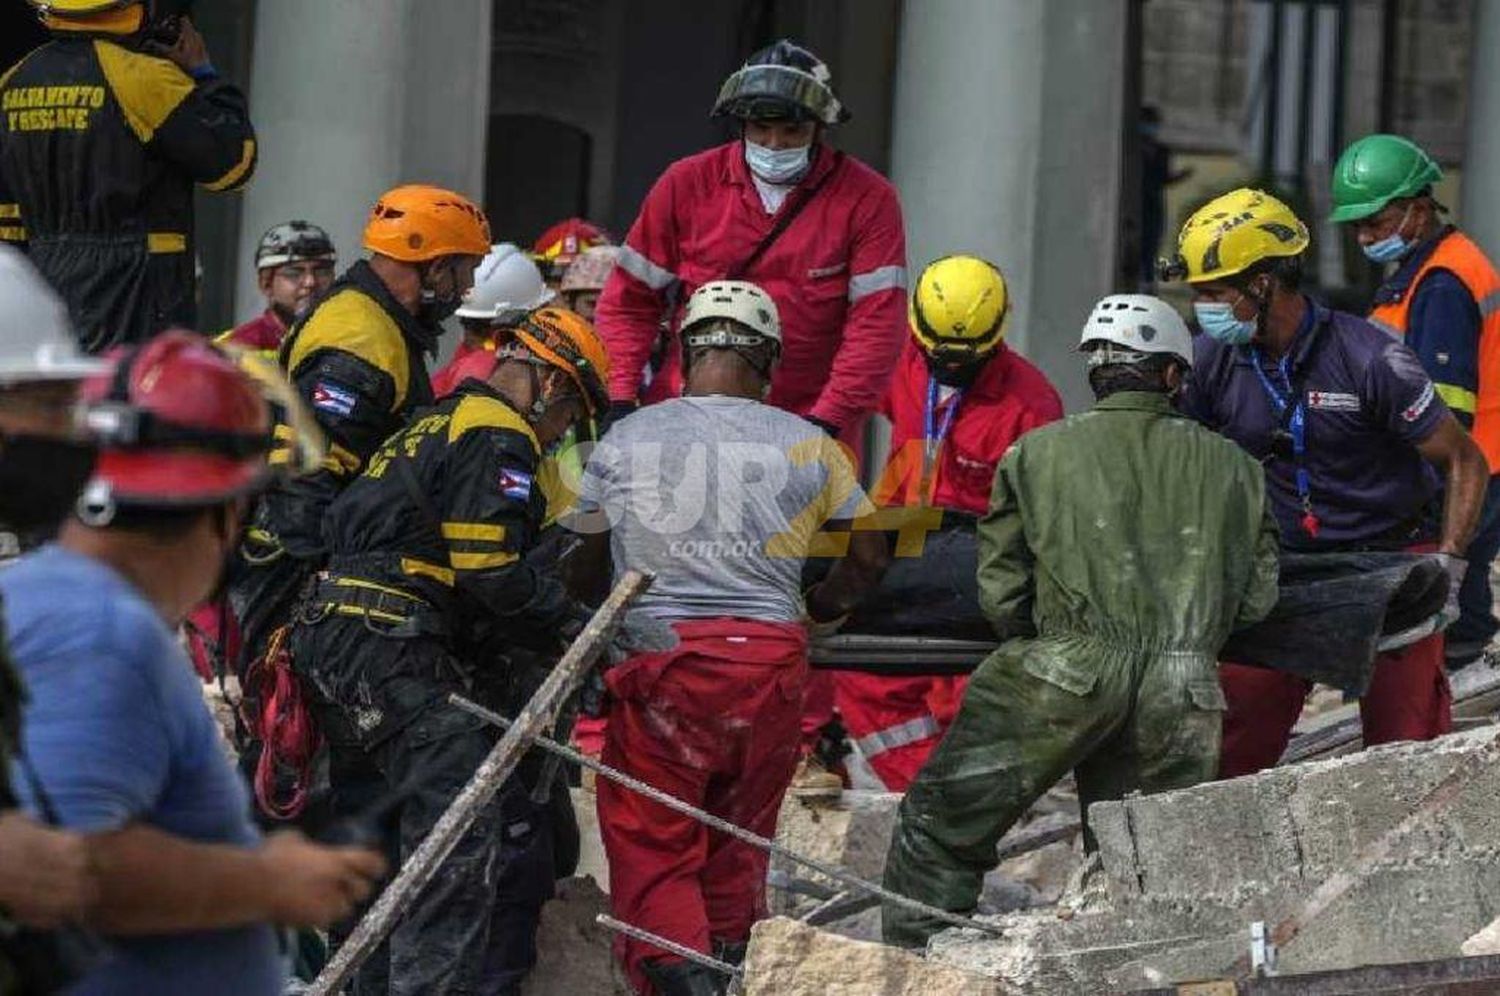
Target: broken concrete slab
x: 1184, y: 874
x: 852, y: 832
x: 788, y: 958
x: 573, y: 951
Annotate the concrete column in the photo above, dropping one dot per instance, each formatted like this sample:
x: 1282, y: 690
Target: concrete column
x: 1007, y: 144
x: 1481, y: 178
x: 354, y: 100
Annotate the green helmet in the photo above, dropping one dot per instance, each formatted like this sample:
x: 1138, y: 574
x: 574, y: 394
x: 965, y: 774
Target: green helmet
x: 1376, y: 170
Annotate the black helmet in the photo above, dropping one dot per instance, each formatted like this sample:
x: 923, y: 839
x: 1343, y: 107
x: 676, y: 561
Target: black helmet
x: 783, y: 81
x: 291, y: 241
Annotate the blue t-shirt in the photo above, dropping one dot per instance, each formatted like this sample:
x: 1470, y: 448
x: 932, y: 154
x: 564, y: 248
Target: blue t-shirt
x: 118, y: 733
x: 1368, y: 403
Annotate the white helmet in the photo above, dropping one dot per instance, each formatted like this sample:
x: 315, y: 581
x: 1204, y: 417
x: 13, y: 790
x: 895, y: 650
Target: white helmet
x: 1138, y: 323
x: 722, y: 302
x: 37, y: 341
x: 506, y: 286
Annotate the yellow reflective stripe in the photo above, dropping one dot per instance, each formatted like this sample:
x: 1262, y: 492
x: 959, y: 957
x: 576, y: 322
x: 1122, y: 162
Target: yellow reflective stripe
x: 11, y: 210
x: 236, y: 175
x: 426, y: 569
x: 1458, y: 399
x: 12, y: 233
x: 166, y: 242
x: 340, y: 460
x: 359, y: 610
x: 474, y: 531
x: 347, y: 582
x: 481, y: 561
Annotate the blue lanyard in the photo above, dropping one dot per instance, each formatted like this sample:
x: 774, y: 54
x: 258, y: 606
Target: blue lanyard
x: 933, y: 433
x: 1296, y: 426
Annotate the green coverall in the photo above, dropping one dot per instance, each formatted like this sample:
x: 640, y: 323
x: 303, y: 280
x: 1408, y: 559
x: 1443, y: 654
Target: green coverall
x: 1121, y: 548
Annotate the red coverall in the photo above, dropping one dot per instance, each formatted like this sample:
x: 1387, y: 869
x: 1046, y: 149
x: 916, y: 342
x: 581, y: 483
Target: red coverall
x: 468, y: 361
x: 837, y: 275
x: 263, y: 332
x: 709, y: 722
x: 898, y: 721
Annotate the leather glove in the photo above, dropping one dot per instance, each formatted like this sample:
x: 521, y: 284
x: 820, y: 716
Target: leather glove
x: 639, y: 633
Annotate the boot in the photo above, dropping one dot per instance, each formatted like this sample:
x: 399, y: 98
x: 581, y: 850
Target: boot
x: 731, y: 952
x: 684, y: 978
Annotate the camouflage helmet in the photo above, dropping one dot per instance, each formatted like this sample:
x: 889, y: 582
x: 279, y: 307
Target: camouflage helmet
x: 291, y: 241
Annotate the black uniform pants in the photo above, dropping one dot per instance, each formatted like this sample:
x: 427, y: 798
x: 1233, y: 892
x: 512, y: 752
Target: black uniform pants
x: 473, y: 929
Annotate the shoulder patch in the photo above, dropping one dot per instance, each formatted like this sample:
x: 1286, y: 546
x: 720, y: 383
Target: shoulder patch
x: 515, y: 484
x: 1333, y: 401
x: 334, y: 398
x: 1420, y: 406
x: 353, y: 323
x: 148, y: 89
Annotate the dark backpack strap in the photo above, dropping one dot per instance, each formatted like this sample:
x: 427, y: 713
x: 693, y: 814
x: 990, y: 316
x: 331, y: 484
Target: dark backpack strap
x: 788, y: 216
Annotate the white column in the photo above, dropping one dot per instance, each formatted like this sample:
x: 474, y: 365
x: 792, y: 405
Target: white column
x: 1007, y: 144
x: 1481, y: 179
x: 354, y: 99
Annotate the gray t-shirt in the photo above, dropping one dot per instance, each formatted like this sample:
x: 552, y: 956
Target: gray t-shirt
x: 721, y: 499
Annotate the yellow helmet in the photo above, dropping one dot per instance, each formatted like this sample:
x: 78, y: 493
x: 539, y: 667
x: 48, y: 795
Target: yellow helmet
x: 1233, y: 232
x: 77, y: 8
x: 958, y: 308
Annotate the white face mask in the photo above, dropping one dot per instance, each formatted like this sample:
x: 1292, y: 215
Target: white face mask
x: 777, y: 165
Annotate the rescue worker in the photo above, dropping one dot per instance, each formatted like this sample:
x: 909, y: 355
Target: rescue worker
x: 818, y: 230
x: 107, y: 128
x: 557, y: 247
x: 357, y: 361
x: 293, y: 265
x: 718, y: 496
x: 584, y: 279
x: 426, y: 586
x: 507, y: 286
x: 960, y: 398
x: 1121, y: 548
x: 118, y: 737
x: 45, y: 876
x: 1442, y: 298
x: 1350, y: 430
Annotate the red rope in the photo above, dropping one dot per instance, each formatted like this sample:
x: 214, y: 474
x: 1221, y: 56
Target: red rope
x: 275, y: 711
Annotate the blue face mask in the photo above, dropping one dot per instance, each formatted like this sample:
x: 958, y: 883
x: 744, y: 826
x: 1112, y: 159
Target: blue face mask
x: 777, y: 165
x: 1391, y: 248
x: 1217, y: 320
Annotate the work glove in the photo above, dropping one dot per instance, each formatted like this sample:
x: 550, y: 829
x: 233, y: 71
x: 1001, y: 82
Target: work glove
x: 1456, y: 568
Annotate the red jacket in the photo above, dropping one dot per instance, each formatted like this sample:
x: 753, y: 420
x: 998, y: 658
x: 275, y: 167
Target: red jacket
x: 838, y: 276
x: 468, y: 361
x: 264, y: 333
x: 1010, y: 398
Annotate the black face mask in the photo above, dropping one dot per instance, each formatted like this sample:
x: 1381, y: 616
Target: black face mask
x: 950, y: 374
x: 39, y: 481
x: 432, y: 309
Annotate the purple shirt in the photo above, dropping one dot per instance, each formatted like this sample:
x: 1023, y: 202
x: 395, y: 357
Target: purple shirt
x: 1368, y: 403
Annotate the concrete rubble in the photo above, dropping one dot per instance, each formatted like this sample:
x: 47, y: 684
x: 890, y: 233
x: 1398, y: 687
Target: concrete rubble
x: 788, y: 958
x: 1182, y: 875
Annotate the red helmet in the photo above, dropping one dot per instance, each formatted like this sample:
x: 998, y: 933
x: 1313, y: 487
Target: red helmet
x: 178, y: 425
x: 560, y: 245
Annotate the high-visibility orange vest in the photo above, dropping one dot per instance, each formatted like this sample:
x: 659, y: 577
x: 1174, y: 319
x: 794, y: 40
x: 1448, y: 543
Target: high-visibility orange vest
x: 1458, y: 254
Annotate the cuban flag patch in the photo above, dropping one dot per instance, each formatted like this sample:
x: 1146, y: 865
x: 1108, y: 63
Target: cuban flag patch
x: 515, y: 484
x: 333, y: 398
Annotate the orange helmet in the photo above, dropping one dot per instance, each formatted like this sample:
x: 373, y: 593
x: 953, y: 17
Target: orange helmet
x: 565, y: 339
x: 418, y: 223
x: 560, y: 245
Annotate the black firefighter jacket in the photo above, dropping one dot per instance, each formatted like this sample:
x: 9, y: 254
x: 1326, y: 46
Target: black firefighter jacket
x: 100, y: 147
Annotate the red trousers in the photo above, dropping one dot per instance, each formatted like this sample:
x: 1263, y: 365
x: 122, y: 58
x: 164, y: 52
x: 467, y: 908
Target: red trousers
x: 1408, y: 699
x: 713, y: 722
x: 891, y: 721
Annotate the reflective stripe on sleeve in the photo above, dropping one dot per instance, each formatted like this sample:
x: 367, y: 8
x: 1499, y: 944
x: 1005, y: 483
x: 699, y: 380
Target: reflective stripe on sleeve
x: 1489, y: 304
x: 909, y: 732
x: 1387, y: 328
x: 482, y: 531
x: 1457, y: 398
x: 882, y: 279
x: 647, y: 272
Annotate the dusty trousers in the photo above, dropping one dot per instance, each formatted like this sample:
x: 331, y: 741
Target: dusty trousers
x: 473, y: 929
x: 1123, y: 719
x: 713, y: 722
